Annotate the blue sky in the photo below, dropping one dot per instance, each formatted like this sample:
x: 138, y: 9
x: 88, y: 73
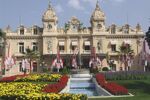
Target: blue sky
x: 30, y: 12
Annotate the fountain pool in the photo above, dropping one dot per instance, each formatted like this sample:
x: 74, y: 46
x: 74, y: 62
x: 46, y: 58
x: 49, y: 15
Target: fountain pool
x: 83, y: 87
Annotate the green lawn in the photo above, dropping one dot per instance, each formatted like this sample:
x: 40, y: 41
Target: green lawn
x: 139, y: 88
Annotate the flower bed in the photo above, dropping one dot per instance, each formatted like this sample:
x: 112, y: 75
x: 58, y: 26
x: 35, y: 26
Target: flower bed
x: 40, y: 78
x: 57, y: 87
x: 21, y: 90
x: 32, y: 78
x: 113, y: 88
x: 11, y: 78
x: 30, y: 91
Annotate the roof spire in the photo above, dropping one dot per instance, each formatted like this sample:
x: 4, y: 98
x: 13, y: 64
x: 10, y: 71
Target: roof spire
x: 97, y: 5
x: 49, y: 4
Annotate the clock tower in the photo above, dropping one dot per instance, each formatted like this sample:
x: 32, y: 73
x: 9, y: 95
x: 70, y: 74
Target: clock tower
x: 50, y: 20
x: 98, y: 19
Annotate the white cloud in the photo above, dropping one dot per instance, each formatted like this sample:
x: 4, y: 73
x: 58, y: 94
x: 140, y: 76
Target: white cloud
x: 59, y: 8
x: 75, y: 4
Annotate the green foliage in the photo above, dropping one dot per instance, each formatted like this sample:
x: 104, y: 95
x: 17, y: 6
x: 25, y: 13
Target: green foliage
x: 45, y: 70
x: 105, y: 69
x: 94, y: 70
x: 2, y: 34
x: 65, y: 70
x: 31, y: 54
x: 127, y: 76
x: 124, y: 49
x: 148, y: 37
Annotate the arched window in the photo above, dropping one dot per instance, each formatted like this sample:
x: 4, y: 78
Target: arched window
x: 49, y: 26
x: 99, y: 26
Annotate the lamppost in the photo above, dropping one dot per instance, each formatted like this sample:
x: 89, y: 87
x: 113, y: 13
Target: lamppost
x: 43, y: 65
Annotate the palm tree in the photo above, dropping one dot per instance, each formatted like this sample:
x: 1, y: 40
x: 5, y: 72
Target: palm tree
x: 125, y: 54
x: 1, y: 33
x: 31, y: 55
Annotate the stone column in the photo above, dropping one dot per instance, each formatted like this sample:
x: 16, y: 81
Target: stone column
x: 68, y: 45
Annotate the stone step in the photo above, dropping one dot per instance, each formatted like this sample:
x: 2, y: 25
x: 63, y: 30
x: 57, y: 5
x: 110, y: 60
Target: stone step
x: 81, y: 79
x: 80, y: 71
x: 81, y: 76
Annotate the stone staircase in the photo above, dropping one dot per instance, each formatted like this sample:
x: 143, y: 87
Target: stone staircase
x: 80, y: 71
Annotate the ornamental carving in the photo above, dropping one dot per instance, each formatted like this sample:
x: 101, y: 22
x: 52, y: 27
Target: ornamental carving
x: 49, y: 46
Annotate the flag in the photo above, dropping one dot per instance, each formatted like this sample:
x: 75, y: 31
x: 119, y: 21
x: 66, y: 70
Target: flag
x: 58, y: 61
x: 9, y: 61
x: 95, y: 61
x: 25, y: 64
x: 74, y: 62
x: 145, y: 53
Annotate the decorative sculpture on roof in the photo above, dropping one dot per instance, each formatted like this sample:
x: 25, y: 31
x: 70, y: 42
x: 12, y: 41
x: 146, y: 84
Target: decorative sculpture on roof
x: 49, y: 14
x: 98, y: 14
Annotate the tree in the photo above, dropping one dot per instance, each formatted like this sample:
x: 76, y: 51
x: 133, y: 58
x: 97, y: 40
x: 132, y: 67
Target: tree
x: 125, y: 54
x: 31, y: 55
x: 148, y: 37
x: 1, y: 33
x: 2, y: 36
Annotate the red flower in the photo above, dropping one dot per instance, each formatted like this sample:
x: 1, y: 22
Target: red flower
x: 113, y: 88
x: 57, y: 87
x: 10, y: 78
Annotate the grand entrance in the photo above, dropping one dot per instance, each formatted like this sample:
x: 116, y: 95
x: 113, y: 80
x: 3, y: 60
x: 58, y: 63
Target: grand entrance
x: 85, y: 62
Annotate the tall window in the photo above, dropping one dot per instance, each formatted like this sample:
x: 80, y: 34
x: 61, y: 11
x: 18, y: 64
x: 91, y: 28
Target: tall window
x: 61, y: 48
x: 35, y: 31
x: 22, y: 31
x: 87, y: 47
x: 35, y: 46
x: 21, y: 47
x: 99, y: 26
x: 73, y: 47
x: 34, y: 66
x: 113, y: 47
x: 49, y: 26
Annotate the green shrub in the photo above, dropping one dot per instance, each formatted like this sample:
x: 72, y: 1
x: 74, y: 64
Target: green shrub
x: 65, y: 70
x: 105, y: 69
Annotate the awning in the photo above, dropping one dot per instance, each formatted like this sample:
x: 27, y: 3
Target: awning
x: 113, y: 42
x: 74, y: 43
x: 127, y: 41
x: 87, y: 43
x: 61, y: 43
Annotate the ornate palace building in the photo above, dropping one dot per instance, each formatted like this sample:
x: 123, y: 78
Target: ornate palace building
x: 50, y: 38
